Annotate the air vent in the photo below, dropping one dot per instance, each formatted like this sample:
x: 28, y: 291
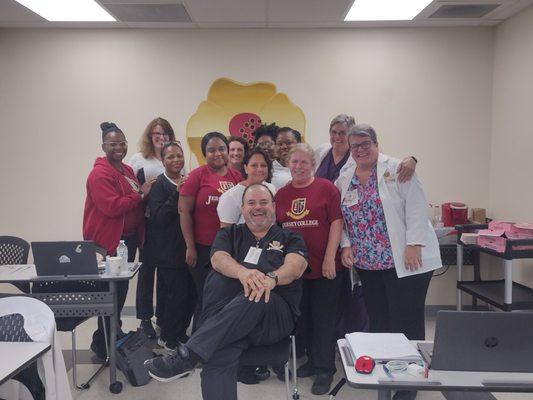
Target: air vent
x: 149, y: 12
x: 464, y: 10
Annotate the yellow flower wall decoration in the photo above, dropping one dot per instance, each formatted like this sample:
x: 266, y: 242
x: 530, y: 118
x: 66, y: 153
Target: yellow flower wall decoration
x: 237, y: 109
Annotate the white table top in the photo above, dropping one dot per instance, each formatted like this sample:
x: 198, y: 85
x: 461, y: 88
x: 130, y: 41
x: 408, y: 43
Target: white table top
x: 17, y: 355
x: 437, y: 380
x: 26, y: 273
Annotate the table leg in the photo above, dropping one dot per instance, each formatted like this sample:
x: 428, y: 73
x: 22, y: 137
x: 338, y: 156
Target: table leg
x: 508, y: 293
x: 114, y: 385
x: 384, y: 394
x: 459, y: 276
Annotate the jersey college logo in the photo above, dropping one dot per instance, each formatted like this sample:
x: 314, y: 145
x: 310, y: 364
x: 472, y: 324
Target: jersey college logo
x: 223, y: 186
x: 298, y: 210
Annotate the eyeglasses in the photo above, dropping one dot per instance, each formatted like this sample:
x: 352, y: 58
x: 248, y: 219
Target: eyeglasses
x: 160, y: 134
x: 364, y: 146
x: 117, y: 144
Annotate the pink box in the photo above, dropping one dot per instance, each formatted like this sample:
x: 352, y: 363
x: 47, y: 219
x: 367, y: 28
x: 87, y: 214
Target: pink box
x: 497, y: 225
x: 492, y: 239
x: 521, y: 231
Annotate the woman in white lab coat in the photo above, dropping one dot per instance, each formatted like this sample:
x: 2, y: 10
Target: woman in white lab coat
x: 387, y: 237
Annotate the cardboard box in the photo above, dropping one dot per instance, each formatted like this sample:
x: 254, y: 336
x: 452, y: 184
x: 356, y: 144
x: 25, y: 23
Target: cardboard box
x: 479, y: 215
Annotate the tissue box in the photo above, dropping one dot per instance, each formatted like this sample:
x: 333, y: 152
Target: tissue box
x: 469, y: 238
x: 479, y: 215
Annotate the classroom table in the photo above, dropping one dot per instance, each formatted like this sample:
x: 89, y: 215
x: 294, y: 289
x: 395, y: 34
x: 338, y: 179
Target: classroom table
x: 79, y: 304
x: 441, y: 381
x: 18, y: 355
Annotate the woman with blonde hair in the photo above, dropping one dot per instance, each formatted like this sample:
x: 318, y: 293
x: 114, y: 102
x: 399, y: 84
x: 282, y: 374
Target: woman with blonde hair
x: 147, y: 165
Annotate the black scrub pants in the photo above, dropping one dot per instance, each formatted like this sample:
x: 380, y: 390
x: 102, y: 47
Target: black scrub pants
x: 396, y: 304
x: 144, y: 299
x: 230, y: 323
x: 179, y: 302
x: 199, y: 274
x: 317, y: 326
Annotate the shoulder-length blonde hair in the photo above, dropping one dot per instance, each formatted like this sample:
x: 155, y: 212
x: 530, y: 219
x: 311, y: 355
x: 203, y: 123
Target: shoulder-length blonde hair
x: 146, y: 147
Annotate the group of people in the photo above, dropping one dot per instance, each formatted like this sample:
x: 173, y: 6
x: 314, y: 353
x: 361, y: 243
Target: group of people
x: 256, y: 244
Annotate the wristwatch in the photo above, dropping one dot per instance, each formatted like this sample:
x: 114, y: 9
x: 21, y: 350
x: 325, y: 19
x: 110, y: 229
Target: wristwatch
x: 273, y: 276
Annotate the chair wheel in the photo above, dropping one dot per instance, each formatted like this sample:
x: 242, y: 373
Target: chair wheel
x: 115, y: 387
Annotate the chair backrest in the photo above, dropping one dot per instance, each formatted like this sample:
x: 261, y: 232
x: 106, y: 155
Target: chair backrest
x: 13, y: 250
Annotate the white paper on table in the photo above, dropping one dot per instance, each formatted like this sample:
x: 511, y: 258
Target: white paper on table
x: 382, y: 346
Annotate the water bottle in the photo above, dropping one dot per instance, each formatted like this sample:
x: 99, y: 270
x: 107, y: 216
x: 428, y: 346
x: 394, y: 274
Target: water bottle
x: 122, y: 252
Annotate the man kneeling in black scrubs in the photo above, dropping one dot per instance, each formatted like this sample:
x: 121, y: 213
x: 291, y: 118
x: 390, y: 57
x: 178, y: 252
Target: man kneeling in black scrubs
x: 251, y: 297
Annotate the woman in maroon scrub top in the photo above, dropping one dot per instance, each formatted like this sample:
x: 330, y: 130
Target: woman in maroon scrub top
x: 197, y: 206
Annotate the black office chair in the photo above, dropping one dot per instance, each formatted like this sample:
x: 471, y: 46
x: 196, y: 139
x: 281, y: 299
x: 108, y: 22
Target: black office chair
x: 281, y: 353
x: 14, y: 250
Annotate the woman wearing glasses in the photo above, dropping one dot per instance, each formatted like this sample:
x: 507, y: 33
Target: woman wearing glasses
x: 388, y: 238
x: 147, y: 166
x: 114, y: 209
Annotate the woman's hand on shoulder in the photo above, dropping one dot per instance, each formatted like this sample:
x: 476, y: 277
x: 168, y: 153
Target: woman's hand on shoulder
x: 406, y: 169
x: 181, y: 181
x: 145, y: 188
x: 413, y: 257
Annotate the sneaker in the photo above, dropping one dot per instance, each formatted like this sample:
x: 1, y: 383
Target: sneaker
x: 147, y: 328
x: 262, y: 372
x: 247, y: 376
x: 404, y: 395
x: 99, y: 350
x: 305, y: 370
x: 169, y: 367
x: 322, y: 384
x: 169, y: 345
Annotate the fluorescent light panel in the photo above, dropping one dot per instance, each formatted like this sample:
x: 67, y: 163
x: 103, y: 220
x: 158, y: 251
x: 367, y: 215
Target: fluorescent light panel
x: 385, y: 10
x: 68, y: 10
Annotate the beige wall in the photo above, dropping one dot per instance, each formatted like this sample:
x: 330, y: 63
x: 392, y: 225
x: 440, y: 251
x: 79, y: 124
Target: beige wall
x: 428, y: 92
x: 511, y: 185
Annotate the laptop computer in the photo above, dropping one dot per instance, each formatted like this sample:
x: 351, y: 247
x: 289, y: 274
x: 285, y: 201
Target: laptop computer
x: 64, y: 258
x: 483, y: 341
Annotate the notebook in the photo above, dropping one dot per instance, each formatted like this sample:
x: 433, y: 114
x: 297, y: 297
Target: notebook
x: 382, y: 346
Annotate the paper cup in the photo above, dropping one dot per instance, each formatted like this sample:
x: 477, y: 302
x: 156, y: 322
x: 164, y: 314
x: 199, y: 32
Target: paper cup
x: 113, y: 265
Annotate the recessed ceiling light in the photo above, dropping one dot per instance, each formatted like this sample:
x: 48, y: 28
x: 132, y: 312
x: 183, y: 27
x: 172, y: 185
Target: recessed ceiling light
x: 385, y: 10
x: 68, y: 10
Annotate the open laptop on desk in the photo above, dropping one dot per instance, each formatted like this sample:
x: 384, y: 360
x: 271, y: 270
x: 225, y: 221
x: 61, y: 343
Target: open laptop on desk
x: 64, y: 258
x: 483, y: 341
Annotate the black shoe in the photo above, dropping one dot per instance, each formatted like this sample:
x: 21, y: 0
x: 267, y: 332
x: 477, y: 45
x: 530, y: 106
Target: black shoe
x: 262, y: 372
x: 169, y: 367
x: 322, y: 384
x: 99, y: 350
x: 305, y: 370
x: 147, y: 328
x: 279, y: 370
x: 247, y: 375
x: 405, y: 395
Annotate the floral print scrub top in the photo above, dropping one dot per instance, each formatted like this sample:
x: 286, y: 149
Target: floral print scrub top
x: 365, y: 224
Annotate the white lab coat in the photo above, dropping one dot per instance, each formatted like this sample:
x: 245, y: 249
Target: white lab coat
x: 40, y: 325
x: 405, y: 209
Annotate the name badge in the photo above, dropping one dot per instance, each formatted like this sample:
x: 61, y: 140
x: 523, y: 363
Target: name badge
x: 351, y: 198
x: 253, y: 255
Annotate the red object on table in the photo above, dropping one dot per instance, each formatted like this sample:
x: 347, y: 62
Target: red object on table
x: 454, y: 213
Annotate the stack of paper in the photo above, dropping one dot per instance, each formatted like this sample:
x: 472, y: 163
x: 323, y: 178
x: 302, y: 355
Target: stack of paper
x: 382, y: 346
